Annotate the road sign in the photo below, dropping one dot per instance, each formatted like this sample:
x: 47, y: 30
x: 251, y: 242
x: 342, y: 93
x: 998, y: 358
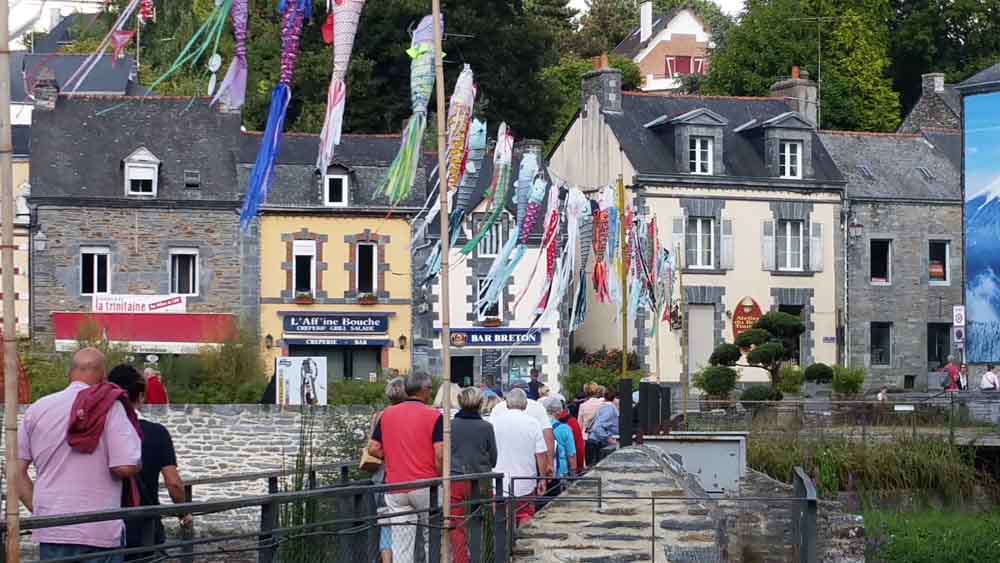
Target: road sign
x: 958, y: 315
x: 958, y: 334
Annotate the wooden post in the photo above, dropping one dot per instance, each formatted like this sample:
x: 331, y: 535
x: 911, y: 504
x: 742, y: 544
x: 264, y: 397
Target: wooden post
x: 9, y: 314
x: 442, y: 145
x: 681, y: 311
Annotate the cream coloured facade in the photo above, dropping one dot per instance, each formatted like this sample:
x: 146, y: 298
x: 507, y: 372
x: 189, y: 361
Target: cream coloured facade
x: 22, y: 287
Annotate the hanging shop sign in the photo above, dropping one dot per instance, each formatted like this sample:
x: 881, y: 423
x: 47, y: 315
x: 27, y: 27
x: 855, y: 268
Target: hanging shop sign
x: 746, y: 314
x: 472, y: 337
x: 112, y: 303
x: 335, y: 323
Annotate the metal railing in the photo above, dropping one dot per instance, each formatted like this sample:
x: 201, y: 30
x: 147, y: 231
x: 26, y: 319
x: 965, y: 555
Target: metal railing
x: 804, y: 520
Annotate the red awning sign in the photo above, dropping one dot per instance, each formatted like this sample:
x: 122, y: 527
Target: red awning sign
x: 165, y: 333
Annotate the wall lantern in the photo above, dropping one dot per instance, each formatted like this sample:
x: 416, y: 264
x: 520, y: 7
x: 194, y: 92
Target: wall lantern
x: 402, y: 342
x: 855, y: 230
x: 269, y: 341
x: 41, y: 241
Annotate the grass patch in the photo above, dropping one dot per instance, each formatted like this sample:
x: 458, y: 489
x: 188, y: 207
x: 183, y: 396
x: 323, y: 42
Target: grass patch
x: 930, y: 537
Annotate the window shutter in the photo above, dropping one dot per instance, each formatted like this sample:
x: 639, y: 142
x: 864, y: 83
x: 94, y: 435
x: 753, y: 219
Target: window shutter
x: 727, y: 252
x: 767, y: 246
x: 677, y: 243
x: 816, y: 248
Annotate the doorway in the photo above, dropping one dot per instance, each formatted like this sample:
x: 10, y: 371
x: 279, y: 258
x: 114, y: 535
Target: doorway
x: 796, y: 351
x: 463, y: 370
x: 701, y: 336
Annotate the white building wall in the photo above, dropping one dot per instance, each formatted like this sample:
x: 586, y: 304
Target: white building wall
x: 46, y: 15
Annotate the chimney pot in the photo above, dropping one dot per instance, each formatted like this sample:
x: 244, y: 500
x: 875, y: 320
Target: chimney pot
x: 932, y: 82
x: 45, y: 89
x: 645, y: 21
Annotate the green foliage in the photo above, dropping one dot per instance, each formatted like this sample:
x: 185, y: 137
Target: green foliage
x: 580, y: 375
x: 782, y: 326
x: 47, y: 373
x: 716, y: 381
x: 752, y: 337
x: 725, y: 355
x: 757, y: 393
x: 923, y: 537
x: 766, y: 355
x: 790, y: 380
x: 848, y: 381
x: 356, y: 393
x: 604, y: 359
x: 230, y: 373
x: 819, y: 373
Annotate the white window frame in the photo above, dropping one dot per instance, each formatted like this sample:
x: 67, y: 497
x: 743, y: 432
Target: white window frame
x: 670, y: 67
x: 141, y: 171
x: 699, y: 240
x: 787, y: 267
x: 492, y: 238
x: 499, y: 304
x: 947, y: 262
x: 697, y: 162
x: 888, y: 269
x: 785, y: 154
x: 357, y: 271
x: 304, y: 248
x: 195, y: 285
x: 326, y: 190
x: 95, y: 250
x: 698, y: 65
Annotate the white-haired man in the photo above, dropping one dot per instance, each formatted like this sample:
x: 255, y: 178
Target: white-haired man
x: 521, y: 451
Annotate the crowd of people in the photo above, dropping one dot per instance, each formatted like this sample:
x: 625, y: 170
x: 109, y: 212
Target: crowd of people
x: 955, y: 377
x: 533, y: 437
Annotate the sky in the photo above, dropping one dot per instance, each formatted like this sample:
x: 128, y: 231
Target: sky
x: 982, y: 144
x: 731, y: 7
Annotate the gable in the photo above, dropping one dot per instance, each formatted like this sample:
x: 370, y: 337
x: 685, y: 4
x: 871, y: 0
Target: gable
x: 701, y: 116
x: 789, y: 120
x: 684, y: 23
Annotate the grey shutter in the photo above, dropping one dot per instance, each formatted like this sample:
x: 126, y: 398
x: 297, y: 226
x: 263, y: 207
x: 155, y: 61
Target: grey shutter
x: 727, y: 251
x: 816, y: 248
x: 677, y: 241
x: 767, y: 246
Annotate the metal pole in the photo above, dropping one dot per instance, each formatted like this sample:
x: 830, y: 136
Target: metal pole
x: 9, y: 319
x: 685, y: 372
x: 442, y: 143
x: 623, y: 273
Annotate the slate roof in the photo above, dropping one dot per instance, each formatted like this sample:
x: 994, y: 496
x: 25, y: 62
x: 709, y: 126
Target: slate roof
x: 632, y: 46
x: 952, y: 98
x: 948, y: 141
x: 988, y: 79
x: 887, y: 166
x: 78, y: 154
x: 21, y: 138
x: 105, y: 79
x: 651, y: 150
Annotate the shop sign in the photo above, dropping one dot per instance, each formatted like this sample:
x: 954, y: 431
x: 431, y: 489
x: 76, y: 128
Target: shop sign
x: 366, y: 342
x: 112, y: 303
x: 495, y: 337
x: 746, y: 315
x: 335, y: 323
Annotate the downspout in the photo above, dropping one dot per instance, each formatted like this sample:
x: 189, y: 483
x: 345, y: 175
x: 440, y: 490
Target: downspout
x: 846, y: 227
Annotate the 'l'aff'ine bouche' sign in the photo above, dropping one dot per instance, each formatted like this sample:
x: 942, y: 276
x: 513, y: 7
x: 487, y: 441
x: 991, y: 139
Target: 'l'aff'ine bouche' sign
x: 335, y: 323
x: 746, y: 315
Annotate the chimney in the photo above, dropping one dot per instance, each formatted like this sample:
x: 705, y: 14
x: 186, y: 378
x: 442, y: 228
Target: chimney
x: 645, y: 21
x: 932, y: 82
x: 799, y: 93
x: 606, y: 84
x: 45, y: 90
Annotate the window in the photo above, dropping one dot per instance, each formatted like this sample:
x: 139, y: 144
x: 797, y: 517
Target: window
x: 881, y: 344
x: 491, y: 244
x: 790, y: 240
x: 938, y: 345
x: 939, y: 262
x: 700, y: 155
x: 790, y: 159
x: 700, y: 243
x: 304, y: 275
x: 367, y: 266
x: 184, y: 271
x: 881, y: 262
x: 493, y: 311
x: 335, y: 191
x: 192, y: 179
x: 140, y: 179
x: 94, y: 270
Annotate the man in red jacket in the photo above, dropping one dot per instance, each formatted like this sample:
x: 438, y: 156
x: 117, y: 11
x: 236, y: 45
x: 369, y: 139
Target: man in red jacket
x: 156, y: 393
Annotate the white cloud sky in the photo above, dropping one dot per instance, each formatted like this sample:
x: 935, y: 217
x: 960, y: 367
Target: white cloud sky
x: 731, y: 7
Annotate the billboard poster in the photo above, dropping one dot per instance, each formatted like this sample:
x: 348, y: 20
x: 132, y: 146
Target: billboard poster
x: 982, y: 227
x: 301, y: 380
x: 120, y: 303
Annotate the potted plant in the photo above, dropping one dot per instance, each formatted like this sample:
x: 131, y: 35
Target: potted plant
x: 367, y: 299
x: 304, y: 299
x: 491, y: 322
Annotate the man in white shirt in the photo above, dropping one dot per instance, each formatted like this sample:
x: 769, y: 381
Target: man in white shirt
x: 990, y: 381
x: 521, y: 450
x: 537, y: 411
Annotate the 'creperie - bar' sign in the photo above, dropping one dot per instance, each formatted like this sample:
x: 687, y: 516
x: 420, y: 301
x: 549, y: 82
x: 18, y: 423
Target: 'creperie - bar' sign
x: 112, y: 303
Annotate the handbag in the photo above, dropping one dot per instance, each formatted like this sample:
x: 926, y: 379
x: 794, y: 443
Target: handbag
x: 370, y: 463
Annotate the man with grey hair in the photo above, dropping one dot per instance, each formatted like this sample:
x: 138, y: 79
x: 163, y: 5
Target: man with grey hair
x: 409, y: 438
x: 521, y: 450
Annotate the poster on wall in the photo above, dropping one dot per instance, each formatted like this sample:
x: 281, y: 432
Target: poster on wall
x: 301, y: 380
x: 982, y: 227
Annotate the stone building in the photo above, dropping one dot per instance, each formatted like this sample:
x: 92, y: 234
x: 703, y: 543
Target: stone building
x: 939, y: 106
x: 742, y: 188
x: 669, y: 47
x: 335, y: 259
x: 904, y: 248
x: 135, y: 214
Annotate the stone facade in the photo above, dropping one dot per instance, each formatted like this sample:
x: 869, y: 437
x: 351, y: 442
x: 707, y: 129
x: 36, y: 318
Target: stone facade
x: 939, y: 106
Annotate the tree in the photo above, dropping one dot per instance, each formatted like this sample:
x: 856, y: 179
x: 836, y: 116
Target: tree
x: 763, y: 47
x: 767, y: 345
x: 556, y: 16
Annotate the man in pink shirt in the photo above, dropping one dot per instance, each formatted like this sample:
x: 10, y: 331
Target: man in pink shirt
x: 69, y: 481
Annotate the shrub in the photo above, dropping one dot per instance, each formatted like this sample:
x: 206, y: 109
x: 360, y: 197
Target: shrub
x: 580, y: 375
x: 791, y: 378
x: 605, y: 359
x: 819, y: 373
x: 925, y: 536
x: 47, y: 373
x: 848, y: 381
x: 356, y: 393
x: 725, y: 355
x: 756, y: 393
x: 716, y: 381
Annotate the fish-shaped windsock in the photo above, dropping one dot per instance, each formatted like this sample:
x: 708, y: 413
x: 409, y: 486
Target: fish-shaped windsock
x: 399, y: 182
x: 459, y: 123
x: 503, y: 155
x: 346, y: 15
x: 233, y: 90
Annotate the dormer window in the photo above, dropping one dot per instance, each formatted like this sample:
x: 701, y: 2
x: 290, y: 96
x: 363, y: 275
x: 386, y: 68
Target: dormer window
x: 142, y: 170
x: 790, y: 159
x: 335, y: 190
x: 700, y: 155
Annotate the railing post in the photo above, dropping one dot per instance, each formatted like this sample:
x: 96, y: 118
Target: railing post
x: 475, y: 520
x: 187, y: 532
x: 311, y: 504
x: 499, y: 522
x: 806, y: 517
x: 432, y: 532
x: 345, y: 473
x: 268, y: 522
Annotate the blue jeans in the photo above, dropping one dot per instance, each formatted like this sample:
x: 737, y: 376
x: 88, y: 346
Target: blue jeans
x: 48, y: 551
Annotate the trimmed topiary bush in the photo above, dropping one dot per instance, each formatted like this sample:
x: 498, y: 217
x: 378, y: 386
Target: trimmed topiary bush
x: 716, y: 381
x: 791, y: 379
x: 751, y: 395
x: 819, y: 373
x: 848, y: 381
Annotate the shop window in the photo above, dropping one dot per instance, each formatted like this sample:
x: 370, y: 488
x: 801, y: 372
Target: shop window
x: 881, y: 262
x: 94, y: 270
x: 881, y: 344
x: 304, y: 275
x: 519, y: 368
x: 366, y: 267
x: 184, y: 271
x: 939, y: 262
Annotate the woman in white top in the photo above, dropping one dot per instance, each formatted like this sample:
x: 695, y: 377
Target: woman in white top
x: 990, y: 381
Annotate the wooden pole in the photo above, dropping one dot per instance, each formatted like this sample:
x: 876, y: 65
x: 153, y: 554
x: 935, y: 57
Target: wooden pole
x: 623, y: 272
x: 9, y: 313
x: 681, y: 311
x: 442, y: 144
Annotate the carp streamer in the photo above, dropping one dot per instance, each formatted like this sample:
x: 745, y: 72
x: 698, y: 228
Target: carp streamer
x: 346, y: 15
